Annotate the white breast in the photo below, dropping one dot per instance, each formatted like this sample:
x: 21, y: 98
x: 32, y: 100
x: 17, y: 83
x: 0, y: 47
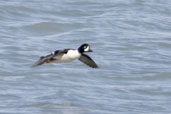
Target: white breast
x: 69, y: 56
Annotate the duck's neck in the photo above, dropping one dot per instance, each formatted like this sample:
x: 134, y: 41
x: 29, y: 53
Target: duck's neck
x: 80, y: 50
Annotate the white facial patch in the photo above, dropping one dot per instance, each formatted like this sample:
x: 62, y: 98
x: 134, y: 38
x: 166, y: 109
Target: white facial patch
x: 87, y: 49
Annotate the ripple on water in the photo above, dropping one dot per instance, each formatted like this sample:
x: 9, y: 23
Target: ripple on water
x: 130, y: 41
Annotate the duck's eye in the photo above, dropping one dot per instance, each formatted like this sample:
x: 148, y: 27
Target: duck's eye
x: 85, y: 47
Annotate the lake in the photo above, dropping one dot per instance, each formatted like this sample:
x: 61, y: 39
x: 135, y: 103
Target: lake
x: 131, y: 43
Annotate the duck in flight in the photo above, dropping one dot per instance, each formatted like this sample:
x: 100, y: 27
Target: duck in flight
x: 68, y: 55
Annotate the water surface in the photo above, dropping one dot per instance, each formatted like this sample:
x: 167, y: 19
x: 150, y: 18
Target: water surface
x: 131, y: 41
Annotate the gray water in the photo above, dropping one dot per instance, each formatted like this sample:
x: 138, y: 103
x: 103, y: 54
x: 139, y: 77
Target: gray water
x: 131, y: 42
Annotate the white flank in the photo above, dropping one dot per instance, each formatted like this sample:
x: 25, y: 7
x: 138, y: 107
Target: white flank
x: 70, y: 56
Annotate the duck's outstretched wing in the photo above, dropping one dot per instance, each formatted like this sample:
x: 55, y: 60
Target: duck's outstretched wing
x: 49, y: 58
x: 88, y: 61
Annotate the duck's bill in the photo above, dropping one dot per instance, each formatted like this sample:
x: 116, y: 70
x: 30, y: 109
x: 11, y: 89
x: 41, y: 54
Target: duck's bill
x: 90, y: 50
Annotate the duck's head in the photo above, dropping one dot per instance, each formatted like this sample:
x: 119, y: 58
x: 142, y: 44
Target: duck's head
x: 84, y: 48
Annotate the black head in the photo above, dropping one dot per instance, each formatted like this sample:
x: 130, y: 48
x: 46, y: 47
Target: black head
x: 84, y: 48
